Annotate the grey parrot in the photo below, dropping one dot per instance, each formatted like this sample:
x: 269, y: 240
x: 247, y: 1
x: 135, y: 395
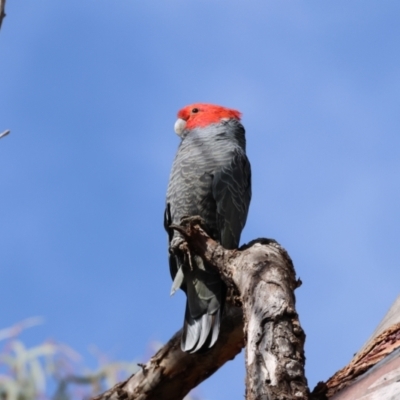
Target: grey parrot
x: 211, y: 178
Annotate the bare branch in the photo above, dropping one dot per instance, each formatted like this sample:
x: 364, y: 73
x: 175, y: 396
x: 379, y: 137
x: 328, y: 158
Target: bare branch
x: 2, y: 11
x: 264, y: 275
x: 377, y: 349
x: 5, y: 133
x: 172, y: 373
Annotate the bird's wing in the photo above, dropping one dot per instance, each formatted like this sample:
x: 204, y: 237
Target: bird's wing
x: 232, y: 194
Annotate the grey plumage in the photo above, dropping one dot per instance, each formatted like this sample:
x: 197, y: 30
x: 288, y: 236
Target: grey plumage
x: 211, y: 178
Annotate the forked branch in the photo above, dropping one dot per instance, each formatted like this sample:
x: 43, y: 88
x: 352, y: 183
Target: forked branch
x: 263, y: 276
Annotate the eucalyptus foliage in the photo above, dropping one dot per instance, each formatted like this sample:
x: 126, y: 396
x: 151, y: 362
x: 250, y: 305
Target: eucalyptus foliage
x: 51, y: 370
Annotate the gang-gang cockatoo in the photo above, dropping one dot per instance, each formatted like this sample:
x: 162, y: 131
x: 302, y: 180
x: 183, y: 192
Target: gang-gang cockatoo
x: 211, y: 178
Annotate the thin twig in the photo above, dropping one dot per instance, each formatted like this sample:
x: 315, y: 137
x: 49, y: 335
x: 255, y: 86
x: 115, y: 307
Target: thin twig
x: 6, y: 132
x: 2, y: 12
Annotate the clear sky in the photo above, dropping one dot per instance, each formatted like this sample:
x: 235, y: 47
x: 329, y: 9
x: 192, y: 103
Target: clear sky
x: 90, y: 91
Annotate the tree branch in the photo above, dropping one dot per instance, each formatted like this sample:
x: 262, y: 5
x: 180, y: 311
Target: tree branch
x: 5, y: 133
x: 172, y: 373
x: 376, y: 350
x: 2, y: 12
x: 263, y: 274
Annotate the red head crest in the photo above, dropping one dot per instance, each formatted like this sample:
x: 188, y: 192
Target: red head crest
x: 199, y: 115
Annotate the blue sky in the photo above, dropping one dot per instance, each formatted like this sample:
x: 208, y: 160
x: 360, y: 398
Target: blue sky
x: 90, y: 91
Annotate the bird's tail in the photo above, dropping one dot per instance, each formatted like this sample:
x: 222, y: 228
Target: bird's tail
x: 200, y: 333
x: 205, y: 297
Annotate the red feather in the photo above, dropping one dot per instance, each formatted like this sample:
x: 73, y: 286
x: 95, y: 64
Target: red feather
x: 200, y: 114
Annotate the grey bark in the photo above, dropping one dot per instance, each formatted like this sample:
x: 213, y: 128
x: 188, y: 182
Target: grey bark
x: 261, y: 277
x: 264, y: 275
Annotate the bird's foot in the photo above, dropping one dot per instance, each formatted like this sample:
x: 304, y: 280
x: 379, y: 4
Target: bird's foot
x: 175, y: 245
x: 178, y: 246
x: 187, y: 223
x: 193, y: 220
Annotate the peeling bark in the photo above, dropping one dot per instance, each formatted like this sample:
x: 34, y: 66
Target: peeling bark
x: 262, y: 278
x: 263, y: 273
x: 375, y: 351
x: 275, y: 341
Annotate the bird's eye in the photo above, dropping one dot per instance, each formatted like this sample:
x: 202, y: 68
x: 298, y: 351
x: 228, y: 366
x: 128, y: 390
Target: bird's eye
x: 195, y: 110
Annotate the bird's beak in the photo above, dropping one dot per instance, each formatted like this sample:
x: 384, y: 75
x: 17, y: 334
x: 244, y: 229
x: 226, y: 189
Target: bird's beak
x: 179, y: 126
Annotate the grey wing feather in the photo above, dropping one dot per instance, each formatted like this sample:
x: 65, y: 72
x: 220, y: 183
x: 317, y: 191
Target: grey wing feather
x: 232, y: 193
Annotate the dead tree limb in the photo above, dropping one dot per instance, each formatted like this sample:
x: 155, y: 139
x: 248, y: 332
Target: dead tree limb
x: 375, y: 351
x: 263, y: 274
x: 171, y: 373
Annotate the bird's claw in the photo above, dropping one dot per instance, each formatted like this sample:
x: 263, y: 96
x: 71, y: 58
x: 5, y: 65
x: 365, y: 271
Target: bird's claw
x: 176, y: 244
x: 179, y: 245
x: 187, y: 223
x: 192, y: 220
